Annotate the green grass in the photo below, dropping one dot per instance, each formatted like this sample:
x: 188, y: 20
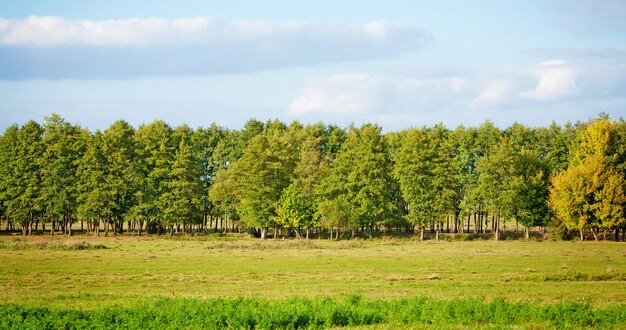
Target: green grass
x: 131, y: 268
x: 420, y: 312
x: 233, y: 281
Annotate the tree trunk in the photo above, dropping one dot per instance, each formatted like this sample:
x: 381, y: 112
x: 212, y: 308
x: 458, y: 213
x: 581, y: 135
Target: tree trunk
x: 421, y: 234
x: 476, y: 217
x: 527, y: 232
x: 582, y: 237
x: 263, y: 233
x: 496, y: 227
x: 496, y: 235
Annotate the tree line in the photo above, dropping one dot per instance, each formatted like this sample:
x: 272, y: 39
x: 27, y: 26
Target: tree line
x: 272, y: 178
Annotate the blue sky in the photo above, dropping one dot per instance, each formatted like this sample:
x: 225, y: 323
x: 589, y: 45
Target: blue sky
x: 396, y: 63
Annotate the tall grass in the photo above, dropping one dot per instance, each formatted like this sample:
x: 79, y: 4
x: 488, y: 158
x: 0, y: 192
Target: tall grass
x: 253, y: 313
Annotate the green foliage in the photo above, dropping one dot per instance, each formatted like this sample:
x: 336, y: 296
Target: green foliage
x: 334, y: 213
x: 294, y: 210
x: 426, y: 173
x: 513, y: 183
x: 154, y: 149
x: 158, y: 177
x: 180, y: 199
x: 298, y: 313
x: 20, y: 184
x: 95, y: 196
x: 64, y: 146
x: 362, y: 173
x: 120, y: 151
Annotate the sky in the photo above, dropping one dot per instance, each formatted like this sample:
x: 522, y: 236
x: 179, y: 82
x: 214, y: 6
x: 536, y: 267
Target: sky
x: 396, y: 63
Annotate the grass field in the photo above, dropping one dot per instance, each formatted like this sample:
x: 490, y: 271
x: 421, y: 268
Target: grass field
x: 229, y: 266
x: 95, y: 273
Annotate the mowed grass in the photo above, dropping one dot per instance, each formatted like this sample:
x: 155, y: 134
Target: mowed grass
x: 133, y: 269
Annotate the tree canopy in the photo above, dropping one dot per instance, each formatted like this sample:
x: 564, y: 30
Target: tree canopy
x: 323, y: 178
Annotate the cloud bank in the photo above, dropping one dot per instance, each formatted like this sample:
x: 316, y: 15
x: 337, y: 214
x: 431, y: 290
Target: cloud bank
x: 552, y: 89
x: 57, y: 47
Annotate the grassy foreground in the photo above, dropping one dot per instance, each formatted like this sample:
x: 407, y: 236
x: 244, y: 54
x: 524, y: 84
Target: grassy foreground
x: 249, y: 313
x: 387, y: 281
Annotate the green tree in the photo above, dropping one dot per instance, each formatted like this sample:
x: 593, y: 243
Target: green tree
x: 205, y: 144
x: 311, y: 167
x: 530, y: 186
x: 95, y: 200
x: 425, y: 172
x: 260, y: 175
x: 294, y: 211
x: 155, y: 155
x: 362, y: 173
x: 181, y: 200
x: 64, y: 145
x: 20, y: 173
x: 334, y: 213
x: 119, y: 150
x: 8, y: 157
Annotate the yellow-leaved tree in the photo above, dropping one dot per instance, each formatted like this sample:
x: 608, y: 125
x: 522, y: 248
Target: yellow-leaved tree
x: 590, y: 193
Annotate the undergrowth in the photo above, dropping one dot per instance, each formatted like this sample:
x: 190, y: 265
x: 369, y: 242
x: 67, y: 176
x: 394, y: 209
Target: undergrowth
x: 52, y: 245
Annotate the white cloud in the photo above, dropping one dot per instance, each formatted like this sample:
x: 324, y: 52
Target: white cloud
x: 497, y: 92
x: 53, y: 31
x: 415, y: 96
x: 553, y: 62
x: 344, y: 94
x: 557, y: 79
x: 389, y: 99
x: 58, y: 47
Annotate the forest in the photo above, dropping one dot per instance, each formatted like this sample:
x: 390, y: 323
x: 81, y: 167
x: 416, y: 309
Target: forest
x: 273, y: 179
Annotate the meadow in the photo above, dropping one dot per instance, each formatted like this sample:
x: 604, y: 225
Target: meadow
x: 68, y: 275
